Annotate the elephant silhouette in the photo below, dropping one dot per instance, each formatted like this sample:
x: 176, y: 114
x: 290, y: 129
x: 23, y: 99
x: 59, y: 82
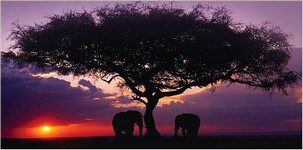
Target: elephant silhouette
x: 189, y: 123
x: 123, y: 123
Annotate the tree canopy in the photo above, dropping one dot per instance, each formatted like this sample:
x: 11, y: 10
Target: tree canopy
x: 157, y: 50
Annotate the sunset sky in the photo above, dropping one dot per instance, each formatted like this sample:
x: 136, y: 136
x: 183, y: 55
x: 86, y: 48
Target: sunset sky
x: 34, y: 104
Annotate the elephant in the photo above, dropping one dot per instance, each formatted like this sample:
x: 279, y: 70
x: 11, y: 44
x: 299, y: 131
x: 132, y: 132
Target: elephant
x: 189, y: 123
x: 123, y: 123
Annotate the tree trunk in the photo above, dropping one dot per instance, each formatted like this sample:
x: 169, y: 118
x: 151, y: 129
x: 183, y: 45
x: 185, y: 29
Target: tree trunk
x: 149, y: 121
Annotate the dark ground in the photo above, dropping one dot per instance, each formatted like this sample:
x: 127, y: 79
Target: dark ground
x: 218, y: 142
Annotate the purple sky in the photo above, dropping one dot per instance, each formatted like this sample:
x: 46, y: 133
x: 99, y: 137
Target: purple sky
x: 227, y: 110
x: 287, y: 15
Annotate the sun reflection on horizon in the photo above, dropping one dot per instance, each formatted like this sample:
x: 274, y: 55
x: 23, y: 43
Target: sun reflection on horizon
x: 45, y: 128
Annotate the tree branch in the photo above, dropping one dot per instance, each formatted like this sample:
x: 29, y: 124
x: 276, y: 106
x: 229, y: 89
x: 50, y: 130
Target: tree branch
x: 138, y: 98
x: 176, y: 92
x: 251, y: 83
x: 110, y: 80
x: 132, y: 86
x: 186, y: 86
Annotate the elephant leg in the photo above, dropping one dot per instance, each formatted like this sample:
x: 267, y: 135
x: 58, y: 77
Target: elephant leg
x: 191, y: 133
x: 129, y: 131
x: 195, y: 132
x: 118, y: 133
x: 116, y: 130
x: 183, y: 132
x: 176, y: 130
x: 196, y: 129
x: 177, y: 124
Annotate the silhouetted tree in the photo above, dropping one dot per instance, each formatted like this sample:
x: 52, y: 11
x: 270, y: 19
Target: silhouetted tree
x: 157, y: 50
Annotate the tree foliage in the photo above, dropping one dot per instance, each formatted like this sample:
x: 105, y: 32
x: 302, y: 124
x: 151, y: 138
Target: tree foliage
x: 157, y: 50
x: 161, y: 47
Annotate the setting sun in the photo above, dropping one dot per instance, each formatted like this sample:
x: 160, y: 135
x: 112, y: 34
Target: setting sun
x: 45, y: 128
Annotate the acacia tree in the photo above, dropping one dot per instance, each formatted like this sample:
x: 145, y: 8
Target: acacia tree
x: 157, y: 51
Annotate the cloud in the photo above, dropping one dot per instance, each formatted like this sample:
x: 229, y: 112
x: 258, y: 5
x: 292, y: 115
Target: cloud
x: 93, y: 92
x: 91, y: 87
x: 30, y: 101
x: 237, y: 109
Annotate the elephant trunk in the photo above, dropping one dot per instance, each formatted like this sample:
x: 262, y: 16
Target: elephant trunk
x: 177, y: 126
